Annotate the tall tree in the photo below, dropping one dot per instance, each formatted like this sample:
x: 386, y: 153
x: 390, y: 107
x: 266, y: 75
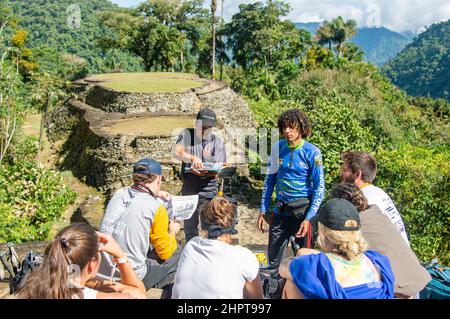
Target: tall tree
x: 9, y: 81
x: 221, y: 61
x: 337, y: 31
x: 213, y: 29
x: 259, y: 38
x: 166, y: 34
x: 325, y: 34
x: 48, y: 90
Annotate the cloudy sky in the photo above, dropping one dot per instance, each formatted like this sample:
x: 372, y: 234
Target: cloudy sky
x: 397, y: 15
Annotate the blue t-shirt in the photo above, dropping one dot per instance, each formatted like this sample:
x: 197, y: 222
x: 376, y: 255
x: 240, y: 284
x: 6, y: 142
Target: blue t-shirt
x: 314, y: 276
x: 296, y: 173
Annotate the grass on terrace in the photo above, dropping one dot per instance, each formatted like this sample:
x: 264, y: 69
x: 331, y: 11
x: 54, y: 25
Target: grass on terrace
x: 150, y: 82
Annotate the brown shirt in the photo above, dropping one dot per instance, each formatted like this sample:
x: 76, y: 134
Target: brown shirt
x: 383, y: 237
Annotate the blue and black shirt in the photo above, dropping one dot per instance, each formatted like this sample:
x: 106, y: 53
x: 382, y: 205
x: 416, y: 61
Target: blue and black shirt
x: 296, y: 172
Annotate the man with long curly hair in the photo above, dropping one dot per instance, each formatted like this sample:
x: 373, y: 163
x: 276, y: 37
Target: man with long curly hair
x: 295, y: 171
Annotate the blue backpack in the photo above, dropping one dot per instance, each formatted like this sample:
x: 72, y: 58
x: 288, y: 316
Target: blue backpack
x: 439, y: 286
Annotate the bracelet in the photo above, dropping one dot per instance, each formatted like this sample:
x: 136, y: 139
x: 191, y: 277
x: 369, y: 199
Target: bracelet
x: 121, y: 261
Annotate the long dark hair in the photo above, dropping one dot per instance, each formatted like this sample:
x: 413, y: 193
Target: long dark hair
x: 76, y: 244
x: 296, y: 119
x: 352, y: 193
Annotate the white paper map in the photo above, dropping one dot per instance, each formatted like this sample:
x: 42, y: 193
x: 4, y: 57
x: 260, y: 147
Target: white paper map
x: 182, y: 207
x: 210, y: 167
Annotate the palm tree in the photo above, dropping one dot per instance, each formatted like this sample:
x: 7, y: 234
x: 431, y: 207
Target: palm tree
x: 337, y: 31
x: 342, y: 31
x: 325, y: 34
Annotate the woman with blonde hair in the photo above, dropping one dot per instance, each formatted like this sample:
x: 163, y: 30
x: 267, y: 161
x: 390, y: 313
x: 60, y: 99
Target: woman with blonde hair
x: 211, y: 268
x: 344, y: 269
x: 382, y: 236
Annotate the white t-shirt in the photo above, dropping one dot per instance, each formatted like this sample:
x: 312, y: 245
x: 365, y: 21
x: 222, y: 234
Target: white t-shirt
x: 376, y: 196
x: 212, y: 269
x: 87, y: 293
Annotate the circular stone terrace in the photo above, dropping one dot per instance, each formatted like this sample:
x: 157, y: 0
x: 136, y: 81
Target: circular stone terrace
x: 121, y: 117
x: 149, y: 82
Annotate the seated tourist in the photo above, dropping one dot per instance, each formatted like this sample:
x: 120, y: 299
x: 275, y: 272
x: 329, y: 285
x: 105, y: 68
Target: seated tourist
x: 211, y: 268
x: 344, y: 269
x: 382, y: 236
x: 140, y: 224
x: 72, y: 260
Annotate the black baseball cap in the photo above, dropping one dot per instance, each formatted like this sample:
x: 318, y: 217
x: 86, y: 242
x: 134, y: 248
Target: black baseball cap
x: 208, y: 117
x: 336, y: 211
x: 148, y: 166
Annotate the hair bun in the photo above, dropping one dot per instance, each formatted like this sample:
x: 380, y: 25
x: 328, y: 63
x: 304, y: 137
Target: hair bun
x: 64, y: 242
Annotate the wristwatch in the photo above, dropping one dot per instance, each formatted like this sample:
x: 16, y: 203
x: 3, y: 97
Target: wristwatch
x: 120, y: 261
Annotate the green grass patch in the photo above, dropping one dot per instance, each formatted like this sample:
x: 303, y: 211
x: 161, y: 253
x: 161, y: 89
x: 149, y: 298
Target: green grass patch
x: 150, y: 82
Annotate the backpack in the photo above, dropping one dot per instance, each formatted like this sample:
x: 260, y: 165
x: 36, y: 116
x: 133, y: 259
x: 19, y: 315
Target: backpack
x: 439, y: 286
x: 31, y: 261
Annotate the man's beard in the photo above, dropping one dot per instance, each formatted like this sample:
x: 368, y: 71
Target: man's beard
x: 348, y: 179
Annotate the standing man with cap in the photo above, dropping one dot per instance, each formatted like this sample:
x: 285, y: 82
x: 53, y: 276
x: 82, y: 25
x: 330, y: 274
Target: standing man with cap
x: 199, y: 148
x: 140, y: 224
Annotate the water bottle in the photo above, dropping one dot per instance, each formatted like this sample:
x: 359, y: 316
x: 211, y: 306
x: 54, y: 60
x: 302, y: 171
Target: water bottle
x: 295, y: 246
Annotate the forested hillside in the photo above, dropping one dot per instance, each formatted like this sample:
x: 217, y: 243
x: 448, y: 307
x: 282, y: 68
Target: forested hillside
x: 378, y: 44
x: 64, y: 26
x: 423, y: 67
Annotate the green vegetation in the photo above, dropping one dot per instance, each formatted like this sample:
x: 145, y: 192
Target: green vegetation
x: 378, y: 45
x: 154, y: 82
x: 353, y: 106
x: 337, y: 31
x: 421, y: 69
x: 274, y: 65
x: 418, y: 179
x: 67, y: 30
x: 356, y: 108
x: 258, y: 38
x: 166, y: 35
x: 31, y: 198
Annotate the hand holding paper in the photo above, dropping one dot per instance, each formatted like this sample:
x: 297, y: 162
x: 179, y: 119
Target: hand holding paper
x: 182, y: 207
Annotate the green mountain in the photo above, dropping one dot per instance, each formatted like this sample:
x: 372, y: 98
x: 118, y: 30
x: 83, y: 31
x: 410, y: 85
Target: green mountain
x: 423, y: 67
x: 67, y: 26
x: 379, y: 44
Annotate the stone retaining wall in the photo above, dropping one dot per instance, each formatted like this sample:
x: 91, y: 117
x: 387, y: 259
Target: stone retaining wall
x: 158, y: 148
x: 231, y: 109
x: 132, y: 103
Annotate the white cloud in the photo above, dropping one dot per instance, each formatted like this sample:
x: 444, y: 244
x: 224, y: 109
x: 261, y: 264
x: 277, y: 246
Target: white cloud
x: 397, y: 15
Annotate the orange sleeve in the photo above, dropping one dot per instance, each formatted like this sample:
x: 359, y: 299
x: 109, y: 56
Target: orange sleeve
x: 160, y: 239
